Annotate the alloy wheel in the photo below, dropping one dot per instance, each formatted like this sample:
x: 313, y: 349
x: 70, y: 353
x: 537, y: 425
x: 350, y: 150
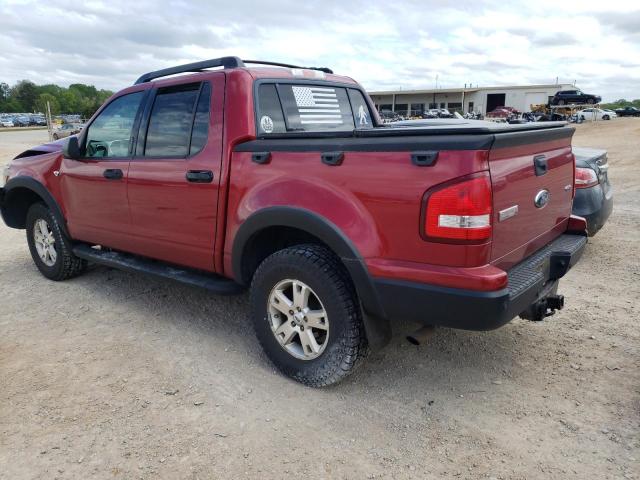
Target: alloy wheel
x: 45, y: 242
x: 298, y: 319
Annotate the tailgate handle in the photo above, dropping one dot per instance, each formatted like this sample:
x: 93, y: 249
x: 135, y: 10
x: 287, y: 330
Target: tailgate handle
x: 332, y: 158
x: 540, y: 165
x: 424, y: 159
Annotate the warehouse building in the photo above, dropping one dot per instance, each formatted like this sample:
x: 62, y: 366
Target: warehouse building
x: 473, y: 99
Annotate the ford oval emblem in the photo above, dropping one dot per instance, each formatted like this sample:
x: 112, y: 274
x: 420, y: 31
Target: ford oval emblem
x: 542, y: 198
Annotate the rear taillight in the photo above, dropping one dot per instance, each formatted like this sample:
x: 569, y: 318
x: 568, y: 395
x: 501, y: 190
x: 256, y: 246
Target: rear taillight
x: 460, y: 211
x: 585, y: 177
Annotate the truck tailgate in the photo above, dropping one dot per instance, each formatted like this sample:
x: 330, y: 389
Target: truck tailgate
x: 532, y: 178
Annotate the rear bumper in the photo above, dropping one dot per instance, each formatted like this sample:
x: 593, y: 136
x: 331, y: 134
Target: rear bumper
x: 594, y: 205
x: 534, y: 278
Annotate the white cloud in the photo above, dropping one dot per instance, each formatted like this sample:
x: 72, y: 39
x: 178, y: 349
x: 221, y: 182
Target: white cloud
x: 406, y: 43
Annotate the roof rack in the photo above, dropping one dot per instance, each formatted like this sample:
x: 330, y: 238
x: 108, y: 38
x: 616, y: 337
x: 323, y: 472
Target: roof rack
x: 225, y: 62
x: 276, y: 64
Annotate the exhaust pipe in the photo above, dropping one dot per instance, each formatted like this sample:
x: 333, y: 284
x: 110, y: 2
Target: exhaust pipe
x: 421, y: 335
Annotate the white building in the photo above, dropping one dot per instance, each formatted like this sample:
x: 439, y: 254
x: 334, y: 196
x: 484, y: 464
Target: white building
x: 476, y: 99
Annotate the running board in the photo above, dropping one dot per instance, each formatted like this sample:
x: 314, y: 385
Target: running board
x: 131, y: 263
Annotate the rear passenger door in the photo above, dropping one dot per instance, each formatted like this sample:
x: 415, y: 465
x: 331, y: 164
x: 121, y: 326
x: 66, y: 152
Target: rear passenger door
x: 174, y: 176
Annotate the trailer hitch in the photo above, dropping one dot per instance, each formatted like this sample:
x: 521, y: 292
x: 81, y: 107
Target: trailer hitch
x: 545, y: 307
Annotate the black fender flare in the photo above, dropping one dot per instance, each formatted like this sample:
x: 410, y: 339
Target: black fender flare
x: 376, y: 323
x: 30, y: 183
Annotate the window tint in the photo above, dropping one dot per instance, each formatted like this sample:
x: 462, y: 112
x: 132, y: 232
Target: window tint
x: 110, y: 133
x: 310, y: 108
x: 201, y: 121
x: 170, y: 121
x: 361, y: 113
x: 270, y: 118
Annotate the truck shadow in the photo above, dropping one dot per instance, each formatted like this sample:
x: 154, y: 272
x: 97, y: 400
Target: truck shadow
x: 451, y: 360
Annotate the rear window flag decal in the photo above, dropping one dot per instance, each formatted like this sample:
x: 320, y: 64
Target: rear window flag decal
x: 317, y: 105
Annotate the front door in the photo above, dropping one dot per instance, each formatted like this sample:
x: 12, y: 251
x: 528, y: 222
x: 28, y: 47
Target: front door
x: 94, y: 187
x: 174, y: 176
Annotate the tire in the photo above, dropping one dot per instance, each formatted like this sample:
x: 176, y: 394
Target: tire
x: 560, y: 102
x: 65, y: 264
x: 606, y: 117
x: 55, y: 136
x: 591, y: 101
x: 343, y: 344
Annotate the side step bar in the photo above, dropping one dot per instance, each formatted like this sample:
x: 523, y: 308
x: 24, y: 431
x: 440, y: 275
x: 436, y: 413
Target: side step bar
x: 132, y: 263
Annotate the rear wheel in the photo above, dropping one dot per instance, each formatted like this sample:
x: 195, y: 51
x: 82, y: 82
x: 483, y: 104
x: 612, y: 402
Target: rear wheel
x: 306, y: 315
x: 591, y: 101
x: 560, y: 102
x: 50, y: 250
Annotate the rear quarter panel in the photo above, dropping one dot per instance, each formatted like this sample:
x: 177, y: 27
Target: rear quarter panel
x: 375, y: 198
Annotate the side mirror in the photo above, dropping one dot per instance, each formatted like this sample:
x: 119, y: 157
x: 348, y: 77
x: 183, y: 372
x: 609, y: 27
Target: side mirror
x: 71, y: 148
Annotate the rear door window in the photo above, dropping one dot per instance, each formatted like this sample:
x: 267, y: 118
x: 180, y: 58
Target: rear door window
x: 179, y: 120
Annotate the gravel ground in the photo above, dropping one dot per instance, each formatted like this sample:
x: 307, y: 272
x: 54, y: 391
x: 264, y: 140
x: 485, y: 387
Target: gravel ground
x: 113, y: 375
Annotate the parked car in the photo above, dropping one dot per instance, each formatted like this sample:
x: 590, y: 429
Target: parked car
x: 611, y: 113
x: 6, y: 122
x: 566, y: 97
x: 21, y: 121
x: 65, y: 130
x: 390, y: 116
x: 594, y: 195
x: 593, y: 114
x: 292, y: 187
x: 499, y: 113
x: 628, y: 112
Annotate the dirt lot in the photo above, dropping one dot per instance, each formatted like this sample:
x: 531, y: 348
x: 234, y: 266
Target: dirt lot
x: 113, y: 375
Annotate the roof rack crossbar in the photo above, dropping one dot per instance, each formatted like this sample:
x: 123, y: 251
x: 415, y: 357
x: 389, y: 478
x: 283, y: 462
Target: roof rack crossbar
x: 277, y: 64
x: 226, y: 62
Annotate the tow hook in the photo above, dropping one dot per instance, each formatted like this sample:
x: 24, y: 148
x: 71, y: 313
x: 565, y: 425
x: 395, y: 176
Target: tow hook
x: 545, y: 307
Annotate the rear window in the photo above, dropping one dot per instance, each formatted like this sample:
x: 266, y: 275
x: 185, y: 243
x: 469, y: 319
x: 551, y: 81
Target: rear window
x: 284, y: 108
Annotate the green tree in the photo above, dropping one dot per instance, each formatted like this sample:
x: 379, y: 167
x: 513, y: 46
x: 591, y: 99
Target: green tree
x: 41, y: 103
x: 26, y: 94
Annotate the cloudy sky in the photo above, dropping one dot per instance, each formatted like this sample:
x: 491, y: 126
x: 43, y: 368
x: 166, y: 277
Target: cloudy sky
x: 383, y: 44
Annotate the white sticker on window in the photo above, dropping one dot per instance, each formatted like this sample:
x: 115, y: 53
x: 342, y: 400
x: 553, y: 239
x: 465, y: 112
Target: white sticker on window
x: 362, y: 116
x: 266, y: 124
x: 317, y: 105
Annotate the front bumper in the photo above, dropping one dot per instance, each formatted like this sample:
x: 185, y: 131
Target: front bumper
x: 535, y: 277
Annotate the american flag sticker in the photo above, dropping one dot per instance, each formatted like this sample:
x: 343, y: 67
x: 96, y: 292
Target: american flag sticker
x: 317, y: 105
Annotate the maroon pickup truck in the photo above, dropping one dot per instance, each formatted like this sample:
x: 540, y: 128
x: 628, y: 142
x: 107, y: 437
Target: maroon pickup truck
x: 283, y: 179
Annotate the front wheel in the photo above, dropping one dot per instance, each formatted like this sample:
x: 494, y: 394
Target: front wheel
x: 50, y: 249
x: 606, y: 117
x: 306, y: 315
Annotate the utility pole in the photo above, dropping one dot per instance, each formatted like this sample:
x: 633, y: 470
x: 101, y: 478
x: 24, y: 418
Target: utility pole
x: 49, y: 122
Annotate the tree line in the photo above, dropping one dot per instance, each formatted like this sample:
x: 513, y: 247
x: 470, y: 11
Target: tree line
x: 622, y: 103
x: 27, y: 97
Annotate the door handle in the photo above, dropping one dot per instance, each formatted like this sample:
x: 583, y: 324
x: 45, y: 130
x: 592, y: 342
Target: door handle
x: 113, y: 174
x: 200, y: 176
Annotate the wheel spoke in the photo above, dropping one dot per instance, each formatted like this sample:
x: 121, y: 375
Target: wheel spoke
x: 308, y: 341
x: 53, y: 254
x: 300, y: 295
x: 317, y: 319
x: 285, y: 333
x: 280, y: 302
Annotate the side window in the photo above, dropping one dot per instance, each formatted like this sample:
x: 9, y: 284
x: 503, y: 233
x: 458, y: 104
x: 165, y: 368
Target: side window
x: 361, y: 113
x: 311, y: 108
x: 110, y: 133
x: 169, y: 131
x: 270, y: 118
x: 200, y: 131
